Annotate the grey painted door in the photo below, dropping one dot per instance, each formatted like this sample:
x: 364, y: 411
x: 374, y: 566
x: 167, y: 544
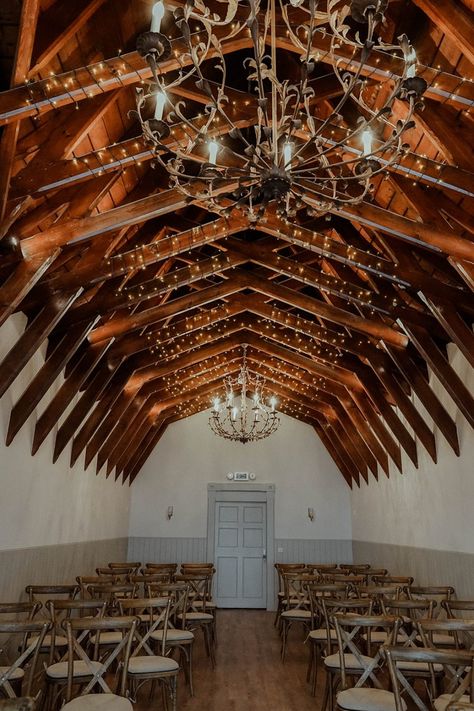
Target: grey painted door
x: 240, y: 555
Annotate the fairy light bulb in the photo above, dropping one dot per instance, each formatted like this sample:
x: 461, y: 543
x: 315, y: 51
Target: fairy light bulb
x: 157, y: 14
x: 213, y: 148
x: 367, y: 141
x: 160, y: 105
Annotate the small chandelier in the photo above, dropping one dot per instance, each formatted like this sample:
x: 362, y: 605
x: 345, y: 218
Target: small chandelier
x: 238, y: 420
x: 280, y: 152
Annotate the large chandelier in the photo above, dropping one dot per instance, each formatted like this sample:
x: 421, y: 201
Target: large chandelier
x: 276, y: 149
x: 239, y: 418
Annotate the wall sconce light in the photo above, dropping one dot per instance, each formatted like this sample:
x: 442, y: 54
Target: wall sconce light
x: 170, y: 512
x: 311, y: 513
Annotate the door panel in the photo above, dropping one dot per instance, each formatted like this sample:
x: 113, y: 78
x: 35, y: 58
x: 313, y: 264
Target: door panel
x: 240, y: 554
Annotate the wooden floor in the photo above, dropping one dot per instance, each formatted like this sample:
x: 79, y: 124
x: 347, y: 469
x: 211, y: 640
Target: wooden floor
x: 249, y: 674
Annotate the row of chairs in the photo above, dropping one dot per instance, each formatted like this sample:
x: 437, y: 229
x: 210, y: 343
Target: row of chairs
x: 166, y: 611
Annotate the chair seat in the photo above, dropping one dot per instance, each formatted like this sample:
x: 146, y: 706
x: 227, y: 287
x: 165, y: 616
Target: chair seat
x: 423, y: 667
x: 59, y: 641
x: 296, y: 614
x: 107, y: 638
x: 197, y: 617
x: 173, y: 635
x: 321, y: 635
x: 363, y: 699
x: 17, y: 674
x: 351, y: 661
x: 442, y: 701
x: 209, y: 604
x: 152, y: 665
x: 80, y: 668
x: 99, y: 702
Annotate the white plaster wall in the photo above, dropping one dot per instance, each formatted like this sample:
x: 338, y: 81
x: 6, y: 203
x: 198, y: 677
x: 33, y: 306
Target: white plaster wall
x: 42, y: 503
x: 431, y: 507
x: 189, y: 456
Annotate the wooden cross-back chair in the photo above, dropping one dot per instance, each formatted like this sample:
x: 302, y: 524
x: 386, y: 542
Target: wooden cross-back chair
x: 377, y: 593
x: 438, y: 593
x: 317, y: 637
x: 153, y: 568
x: 198, y: 615
x: 143, y: 582
x: 282, y: 568
x: 454, y: 666
x: 459, y: 608
x: 297, y: 605
x: 331, y: 607
x: 131, y: 568
x: 177, y: 637
x: 144, y: 664
x: 89, y: 668
x: 112, y: 594
x: 361, y: 657
x: 410, y: 612
x: 355, y: 567
x: 20, y: 647
x: 87, y: 582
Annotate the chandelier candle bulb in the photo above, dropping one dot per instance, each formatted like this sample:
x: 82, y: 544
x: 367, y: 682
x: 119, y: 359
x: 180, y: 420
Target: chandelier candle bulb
x: 411, y: 59
x: 160, y: 105
x: 287, y: 154
x: 157, y: 15
x: 213, y: 149
x: 367, y: 141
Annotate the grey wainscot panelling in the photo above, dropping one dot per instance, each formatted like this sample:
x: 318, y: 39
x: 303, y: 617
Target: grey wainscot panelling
x: 167, y: 550
x: 427, y: 566
x: 49, y: 565
x: 312, y: 551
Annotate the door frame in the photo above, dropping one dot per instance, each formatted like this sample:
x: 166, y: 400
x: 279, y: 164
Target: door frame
x: 240, y: 492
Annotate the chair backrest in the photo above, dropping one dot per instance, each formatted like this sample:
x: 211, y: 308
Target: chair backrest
x: 296, y: 590
x: 157, y: 611
x: 403, y: 580
x: 354, y: 637
x: 459, y: 608
x: 318, y: 591
x: 161, y: 568
x: 199, y: 593
x: 410, y: 611
x: 62, y: 610
x: 434, y: 631
x: 80, y: 632
x: 456, y: 664
x: 379, y: 592
x: 354, y: 567
x: 26, y: 638
x: 438, y: 593
x: 19, y: 611
x: 196, y: 566
x: 178, y: 594
x: 86, y: 582
x: 42, y: 593
x: 127, y: 568
x: 282, y: 568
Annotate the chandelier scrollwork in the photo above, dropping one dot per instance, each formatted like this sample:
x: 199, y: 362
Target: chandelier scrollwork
x: 279, y: 151
x: 243, y: 415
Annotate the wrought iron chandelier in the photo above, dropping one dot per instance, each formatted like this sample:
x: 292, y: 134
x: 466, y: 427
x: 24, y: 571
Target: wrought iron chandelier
x: 282, y: 153
x: 239, y: 419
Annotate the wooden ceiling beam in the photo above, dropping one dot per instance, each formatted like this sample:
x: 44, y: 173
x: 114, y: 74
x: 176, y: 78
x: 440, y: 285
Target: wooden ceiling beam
x: 118, y: 326
x: 456, y: 328
x: 341, y: 463
x: 31, y: 339
x: 326, y: 311
x: 23, y: 278
x: 56, y: 26
x: 83, y: 83
x: 64, y: 349
x: 55, y: 409
x: 453, y: 20
x: 367, y: 408
x: 110, y: 418
x: 127, y: 419
x: 134, y: 467
x: 21, y: 63
x: 443, y: 371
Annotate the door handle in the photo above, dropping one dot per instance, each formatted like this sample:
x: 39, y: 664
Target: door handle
x: 264, y: 555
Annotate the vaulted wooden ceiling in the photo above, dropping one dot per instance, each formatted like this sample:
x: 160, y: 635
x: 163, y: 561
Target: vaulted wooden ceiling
x: 144, y: 301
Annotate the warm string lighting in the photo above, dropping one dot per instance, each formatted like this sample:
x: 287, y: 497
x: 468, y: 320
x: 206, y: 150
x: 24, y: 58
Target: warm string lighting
x: 236, y: 417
